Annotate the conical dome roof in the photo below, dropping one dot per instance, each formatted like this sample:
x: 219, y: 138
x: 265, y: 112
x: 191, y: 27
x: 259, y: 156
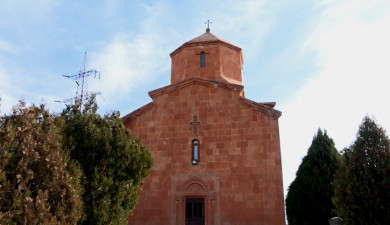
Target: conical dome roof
x: 206, y: 38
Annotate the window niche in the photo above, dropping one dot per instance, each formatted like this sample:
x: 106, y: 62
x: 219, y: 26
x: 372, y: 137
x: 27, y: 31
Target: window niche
x: 195, y: 151
x: 202, y: 59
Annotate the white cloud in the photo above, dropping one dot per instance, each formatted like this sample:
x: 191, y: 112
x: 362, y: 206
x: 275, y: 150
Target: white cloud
x: 352, y: 81
x: 248, y: 21
x: 128, y: 62
x: 8, y: 47
x: 26, y: 12
x: 125, y: 63
x: 19, y: 21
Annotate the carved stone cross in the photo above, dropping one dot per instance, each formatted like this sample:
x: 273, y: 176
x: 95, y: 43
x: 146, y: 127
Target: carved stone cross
x: 194, y: 125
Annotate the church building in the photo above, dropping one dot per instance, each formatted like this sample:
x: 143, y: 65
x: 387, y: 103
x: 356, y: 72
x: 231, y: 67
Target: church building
x: 216, y: 153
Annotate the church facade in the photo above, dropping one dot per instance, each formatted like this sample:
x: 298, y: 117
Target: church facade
x: 216, y: 154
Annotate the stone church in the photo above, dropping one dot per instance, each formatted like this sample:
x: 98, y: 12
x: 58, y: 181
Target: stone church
x: 216, y: 153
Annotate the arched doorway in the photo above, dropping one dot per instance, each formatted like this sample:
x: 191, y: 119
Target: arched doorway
x: 194, y: 202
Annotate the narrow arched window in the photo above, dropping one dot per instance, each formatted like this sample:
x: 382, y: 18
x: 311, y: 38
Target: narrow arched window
x: 202, y: 62
x: 195, y: 152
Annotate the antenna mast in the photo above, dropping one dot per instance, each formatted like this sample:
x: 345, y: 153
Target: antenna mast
x: 81, y: 80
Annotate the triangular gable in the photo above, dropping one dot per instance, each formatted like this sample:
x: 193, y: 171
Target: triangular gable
x: 195, y: 80
x: 266, y: 107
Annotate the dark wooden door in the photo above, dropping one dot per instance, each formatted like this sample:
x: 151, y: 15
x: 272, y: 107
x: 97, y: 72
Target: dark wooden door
x: 195, y: 211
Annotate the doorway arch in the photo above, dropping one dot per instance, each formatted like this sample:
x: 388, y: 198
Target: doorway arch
x: 195, y: 187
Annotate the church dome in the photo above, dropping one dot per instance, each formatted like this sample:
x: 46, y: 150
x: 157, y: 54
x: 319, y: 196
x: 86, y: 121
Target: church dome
x: 209, y: 57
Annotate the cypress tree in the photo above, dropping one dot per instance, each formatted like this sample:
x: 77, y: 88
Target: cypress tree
x: 362, y: 184
x: 309, y: 198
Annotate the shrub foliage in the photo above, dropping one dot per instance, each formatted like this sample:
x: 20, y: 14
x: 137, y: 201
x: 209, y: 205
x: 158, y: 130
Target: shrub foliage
x: 113, y: 163
x: 74, y: 168
x: 35, y: 185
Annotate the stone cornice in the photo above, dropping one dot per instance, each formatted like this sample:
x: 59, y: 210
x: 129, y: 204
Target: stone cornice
x: 195, y: 80
x: 266, y: 108
x: 205, y: 43
x: 138, y: 112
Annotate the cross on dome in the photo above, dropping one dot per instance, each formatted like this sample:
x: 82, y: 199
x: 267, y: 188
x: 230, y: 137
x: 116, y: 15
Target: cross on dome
x: 208, y: 25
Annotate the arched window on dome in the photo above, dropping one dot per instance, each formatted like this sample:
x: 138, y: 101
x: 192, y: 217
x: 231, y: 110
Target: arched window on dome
x: 195, y: 151
x: 202, y: 59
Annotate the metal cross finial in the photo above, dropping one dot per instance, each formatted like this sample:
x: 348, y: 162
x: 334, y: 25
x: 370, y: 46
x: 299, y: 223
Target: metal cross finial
x: 208, y: 25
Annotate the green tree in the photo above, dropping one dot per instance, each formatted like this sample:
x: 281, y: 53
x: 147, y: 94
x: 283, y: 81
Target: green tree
x: 113, y: 162
x: 362, y: 184
x: 36, y: 187
x: 309, y: 198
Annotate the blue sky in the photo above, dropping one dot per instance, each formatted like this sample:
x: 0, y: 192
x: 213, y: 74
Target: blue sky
x: 326, y: 63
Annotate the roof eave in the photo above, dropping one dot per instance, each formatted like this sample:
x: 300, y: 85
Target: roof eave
x: 266, y: 107
x: 189, y: 44
x: 138, y: 112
